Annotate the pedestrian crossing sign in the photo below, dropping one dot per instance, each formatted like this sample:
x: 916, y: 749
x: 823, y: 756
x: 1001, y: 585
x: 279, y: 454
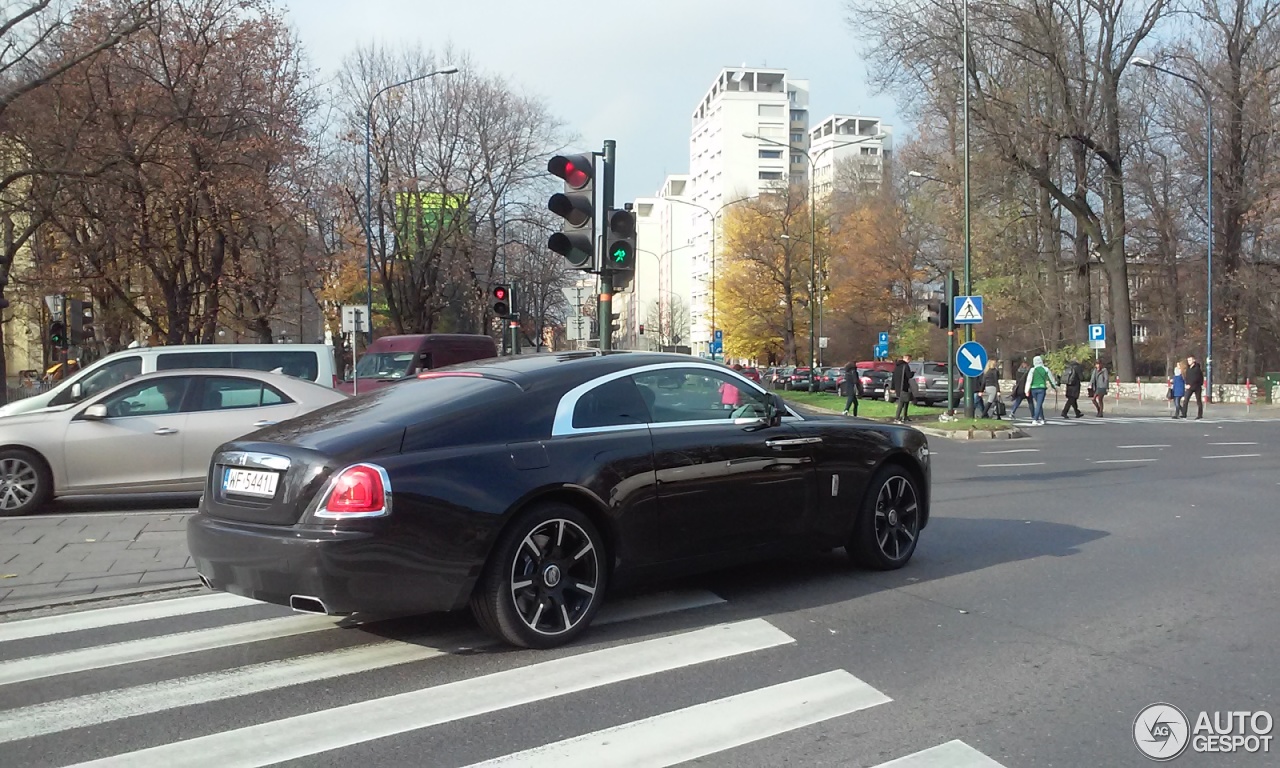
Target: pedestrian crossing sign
x: 968, y: 310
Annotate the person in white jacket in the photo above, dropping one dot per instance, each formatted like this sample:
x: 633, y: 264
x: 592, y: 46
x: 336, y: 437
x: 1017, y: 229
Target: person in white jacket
x: 1039, y: 379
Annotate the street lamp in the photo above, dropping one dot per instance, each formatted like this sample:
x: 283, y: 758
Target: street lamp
x: 1138, y: 61
x: 713, y: 215
x: 368, y: 182
x: 813, y: 225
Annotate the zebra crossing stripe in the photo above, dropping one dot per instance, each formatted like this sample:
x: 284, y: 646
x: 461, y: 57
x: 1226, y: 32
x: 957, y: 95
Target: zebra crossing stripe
x: 131, y: 651
x: 953, y: 754
x: 705, y: 729
x: 98, y: 708
x: 316, y: 732
x: 124, y: 614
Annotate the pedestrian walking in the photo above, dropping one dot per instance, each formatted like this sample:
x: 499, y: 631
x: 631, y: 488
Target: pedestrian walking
x: 991, y: 390
x: 730, y: 396
x: 1194, y: 378
x: 852, y: 388
x: 1099, y: 383
x: 1177, y: 390
x: 901, y: 383
x: 1039, y: 379
x: 1072, y: 377
x: 1019, y: 388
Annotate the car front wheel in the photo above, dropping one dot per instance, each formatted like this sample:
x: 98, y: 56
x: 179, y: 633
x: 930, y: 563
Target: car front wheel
x: 545, y: 579
x: 888, y: 525
x: 25, y: 484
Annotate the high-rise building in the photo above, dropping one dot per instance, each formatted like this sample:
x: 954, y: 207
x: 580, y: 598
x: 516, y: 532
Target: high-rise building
x: 725, y: 166
x: 848, y: 144
x: 664, y: 244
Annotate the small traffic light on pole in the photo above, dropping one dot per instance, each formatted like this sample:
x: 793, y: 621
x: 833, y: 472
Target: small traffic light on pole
x: 577, y: 206
x: 931, y: 314
x: 58, y: 335
x: 502, y: 301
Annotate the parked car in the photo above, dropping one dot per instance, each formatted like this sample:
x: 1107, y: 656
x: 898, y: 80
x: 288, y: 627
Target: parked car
x: 830, y: 379
x: 526, y: 487
x: 929, y: 383
x: 392, y: 358
x: 875, y: 383
x: 780, y: 376
x: 798, y: 379
x: 153, y: 433
x: 751, y: 373
x: 313, y: 362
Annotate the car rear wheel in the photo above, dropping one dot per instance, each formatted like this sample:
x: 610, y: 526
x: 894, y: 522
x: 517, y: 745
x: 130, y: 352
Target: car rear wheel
x: 545, y: 579
x: 888, y: 525
x: 25, y: 484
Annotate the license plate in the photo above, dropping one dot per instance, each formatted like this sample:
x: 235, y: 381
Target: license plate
x: 250, y: 482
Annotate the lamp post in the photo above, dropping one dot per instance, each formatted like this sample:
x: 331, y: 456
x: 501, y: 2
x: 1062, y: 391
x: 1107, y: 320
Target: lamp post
x: 951, y: 330
x: 713, y: 215
x: 368, y: 185
x: 968, y: 250
x: 813, y: 225
x: 1138, y: 61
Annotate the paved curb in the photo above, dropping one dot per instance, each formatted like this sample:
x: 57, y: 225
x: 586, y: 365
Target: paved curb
x: 974, y: 434
x: 95, y: 597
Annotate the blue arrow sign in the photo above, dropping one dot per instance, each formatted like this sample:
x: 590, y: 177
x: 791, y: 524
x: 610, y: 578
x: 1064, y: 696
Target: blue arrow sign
x: 1097, y: 332
x: 884, y: 338
x: 719, y: 335
x: 967, y: 310
x: 881, y: 350
x: 971, y: 358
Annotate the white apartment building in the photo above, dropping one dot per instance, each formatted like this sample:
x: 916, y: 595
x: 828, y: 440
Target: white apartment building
x: 661, y: 292
x: 849, y: 141
x: 726, y: 167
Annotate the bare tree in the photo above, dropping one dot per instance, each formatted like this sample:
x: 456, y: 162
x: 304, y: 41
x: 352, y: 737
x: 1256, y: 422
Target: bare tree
x: 670, y: 320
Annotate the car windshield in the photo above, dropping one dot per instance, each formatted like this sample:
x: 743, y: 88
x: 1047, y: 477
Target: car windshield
x: 384, y: 365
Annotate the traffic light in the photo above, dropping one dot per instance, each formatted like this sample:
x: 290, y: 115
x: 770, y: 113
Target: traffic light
x: 620, y: 243
x: 75, y: 316
x: 86, y: 325
x: 642, y: 329
x: 577, y: 206
x: 944, y: 314
x: 501, y: 301
x: 58, y: 334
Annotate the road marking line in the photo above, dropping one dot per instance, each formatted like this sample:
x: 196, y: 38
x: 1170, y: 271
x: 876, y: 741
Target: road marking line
x: 124, y: 614
x: 706, y: 729
x: 1235, y: 456
x: 98, y: 708
x: 1232, y: 443
x: 1016, y: 450
x: 131, y: 651
x: 1031, y: 464
x: 301, y: 736
x: 1154, y: 445
x: 953, y: 754
x: 1123, y: 461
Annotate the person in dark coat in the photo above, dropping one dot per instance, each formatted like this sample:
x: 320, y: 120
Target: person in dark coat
x: 1072, y: 376
x: 1019, y: 387
x: 1194, y: 377
x: 852, y: 388
x: 901, y: 383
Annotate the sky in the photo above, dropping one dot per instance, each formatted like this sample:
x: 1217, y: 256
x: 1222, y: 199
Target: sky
x: 657, y: 59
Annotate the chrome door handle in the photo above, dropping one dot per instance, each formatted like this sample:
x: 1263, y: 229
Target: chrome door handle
x: 792, y: 442
x: 166, y: 431
x: 263, y: 423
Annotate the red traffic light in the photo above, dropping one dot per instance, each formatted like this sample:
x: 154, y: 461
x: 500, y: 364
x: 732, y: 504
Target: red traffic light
x: 576, y: 170
x: 500, y: 293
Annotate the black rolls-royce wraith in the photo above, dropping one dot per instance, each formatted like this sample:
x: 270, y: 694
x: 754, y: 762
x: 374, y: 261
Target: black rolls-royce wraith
x: 525, y: 486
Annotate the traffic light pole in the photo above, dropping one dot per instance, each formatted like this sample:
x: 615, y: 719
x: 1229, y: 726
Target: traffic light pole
x: 951, y: 344
x: 604, y: 308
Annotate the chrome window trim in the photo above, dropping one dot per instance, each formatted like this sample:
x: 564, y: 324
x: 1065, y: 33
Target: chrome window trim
x: 562, y: 424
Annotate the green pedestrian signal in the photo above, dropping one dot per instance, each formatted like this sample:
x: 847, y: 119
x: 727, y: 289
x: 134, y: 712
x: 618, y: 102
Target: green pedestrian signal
x: 621, y: 240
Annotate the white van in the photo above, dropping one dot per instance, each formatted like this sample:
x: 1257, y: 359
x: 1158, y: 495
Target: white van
x: 313, y: 362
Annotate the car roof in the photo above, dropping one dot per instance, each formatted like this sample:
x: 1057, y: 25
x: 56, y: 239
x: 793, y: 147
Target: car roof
x: 252, y: 373
x: 555, y: 368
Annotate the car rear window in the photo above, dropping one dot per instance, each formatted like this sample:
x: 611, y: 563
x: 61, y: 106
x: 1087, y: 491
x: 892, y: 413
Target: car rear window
x: 936, y: 368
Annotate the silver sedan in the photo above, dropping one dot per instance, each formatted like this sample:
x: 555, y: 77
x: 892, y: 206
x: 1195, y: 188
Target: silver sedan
x: 152, y: 434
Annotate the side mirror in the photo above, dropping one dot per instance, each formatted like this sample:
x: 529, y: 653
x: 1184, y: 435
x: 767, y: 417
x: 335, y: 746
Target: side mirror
x: 95, y: 412
x: 77, y: 391
x: 777, y: 409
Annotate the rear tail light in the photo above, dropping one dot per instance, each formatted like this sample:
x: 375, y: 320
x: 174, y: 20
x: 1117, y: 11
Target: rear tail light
x: 360, y: 490
x: 866, y: 379
x: 921, y: 380
x: 335, y: 381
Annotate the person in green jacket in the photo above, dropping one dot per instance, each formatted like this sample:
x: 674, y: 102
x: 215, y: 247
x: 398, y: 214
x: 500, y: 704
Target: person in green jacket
x: 1039, y: 379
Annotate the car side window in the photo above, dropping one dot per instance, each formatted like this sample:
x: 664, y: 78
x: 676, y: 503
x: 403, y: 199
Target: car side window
x: 232, y: 393
x: 614, y: 403
x: 148, y: 398
x: 108, y: 376
x: 689, y: 394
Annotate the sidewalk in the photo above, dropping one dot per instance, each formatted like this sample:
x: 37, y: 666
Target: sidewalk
x: 56, y: 559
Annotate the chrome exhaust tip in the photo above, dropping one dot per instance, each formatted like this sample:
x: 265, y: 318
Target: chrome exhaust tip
x: 205, y: 581
x: 307, y: 604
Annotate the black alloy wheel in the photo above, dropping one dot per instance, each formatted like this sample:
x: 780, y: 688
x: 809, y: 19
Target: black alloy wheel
x: 888, y: 525
x: 545, y: 578
x: 25, y: 484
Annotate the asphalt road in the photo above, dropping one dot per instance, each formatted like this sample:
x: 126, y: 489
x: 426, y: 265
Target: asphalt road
x: 1066, y: 582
